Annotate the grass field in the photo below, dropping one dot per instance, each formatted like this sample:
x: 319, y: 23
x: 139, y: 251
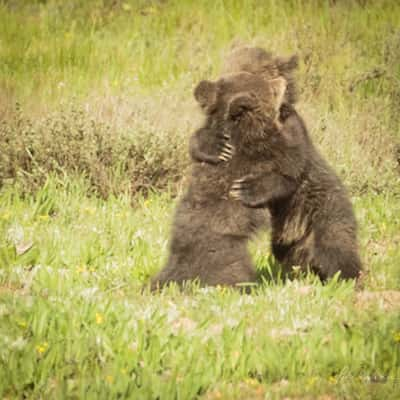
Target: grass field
x: 92, y: 159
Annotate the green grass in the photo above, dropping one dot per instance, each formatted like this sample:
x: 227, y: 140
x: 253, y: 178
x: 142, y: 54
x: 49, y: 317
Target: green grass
x: 73, y: 47
x: 91, y: 161
x: 74, y: 321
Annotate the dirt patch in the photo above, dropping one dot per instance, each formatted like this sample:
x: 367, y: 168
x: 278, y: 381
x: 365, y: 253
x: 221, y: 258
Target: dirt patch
x: 252, y: 389
x: 10, y: 289
x: 386, y: 299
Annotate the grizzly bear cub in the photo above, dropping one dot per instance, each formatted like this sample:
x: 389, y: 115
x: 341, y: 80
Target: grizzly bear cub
x: 313, y: 223
x: 211, y: 230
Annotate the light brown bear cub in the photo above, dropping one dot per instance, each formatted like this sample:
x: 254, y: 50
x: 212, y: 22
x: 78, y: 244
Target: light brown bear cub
x: 211, y: 230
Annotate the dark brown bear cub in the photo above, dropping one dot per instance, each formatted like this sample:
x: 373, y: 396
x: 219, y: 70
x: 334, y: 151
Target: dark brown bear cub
x: 211, y: 230
x: 313, y: 223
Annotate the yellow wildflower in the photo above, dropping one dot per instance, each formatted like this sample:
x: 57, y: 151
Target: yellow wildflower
x: 126, y: 7
x: 90, y: 210
x: 311, y: 381
x: 332, y: 380
x: 150, y: 10
x: 80, y: 269
x: 109, y: 378
x: 22, y: 323
x: 99, y: 319
x: 252, y: 381
x: 5, y: 216
x: 41, y: 348
x: 396, y: 337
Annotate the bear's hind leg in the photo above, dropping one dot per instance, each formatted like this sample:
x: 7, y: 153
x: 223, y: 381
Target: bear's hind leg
x: 328, y: 260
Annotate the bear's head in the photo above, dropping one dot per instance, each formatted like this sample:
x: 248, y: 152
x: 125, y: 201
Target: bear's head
x: 258, y: 61
x: 243, y: 103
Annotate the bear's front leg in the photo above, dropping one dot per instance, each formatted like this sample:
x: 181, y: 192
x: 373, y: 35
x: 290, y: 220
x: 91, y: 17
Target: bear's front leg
x: 201, y: 147
x: 206, y: 146
x: 257, y: 191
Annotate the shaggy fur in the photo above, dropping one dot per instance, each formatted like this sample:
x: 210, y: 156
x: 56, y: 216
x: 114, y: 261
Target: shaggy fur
x: 258, y: 61
x: 313, y: 222
x: 211, y: 230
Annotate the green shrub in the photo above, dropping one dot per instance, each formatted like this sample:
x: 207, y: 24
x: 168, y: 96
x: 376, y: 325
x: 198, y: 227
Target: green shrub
x: 70, y: 142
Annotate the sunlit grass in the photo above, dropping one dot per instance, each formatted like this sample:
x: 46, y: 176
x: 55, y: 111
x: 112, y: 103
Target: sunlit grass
x: 105, y: 89
x: 71, y: 47
x: 132, y: 66
x: 74, y: 320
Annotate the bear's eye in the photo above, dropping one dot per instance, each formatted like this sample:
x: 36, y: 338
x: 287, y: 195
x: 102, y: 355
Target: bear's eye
x: 234, y: 117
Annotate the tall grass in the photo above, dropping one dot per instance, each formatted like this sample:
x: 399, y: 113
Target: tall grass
x: 76, y: 46
x: 131, y: 66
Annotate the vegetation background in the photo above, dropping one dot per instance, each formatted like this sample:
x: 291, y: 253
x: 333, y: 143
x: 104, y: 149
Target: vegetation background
x: 96, y: 108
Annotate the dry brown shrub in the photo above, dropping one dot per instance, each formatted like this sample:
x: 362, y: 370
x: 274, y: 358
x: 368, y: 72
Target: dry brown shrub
x: 118, y: 146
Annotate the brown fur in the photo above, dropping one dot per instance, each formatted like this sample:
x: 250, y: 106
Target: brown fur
x: 258, y: 61
x: 313, y: 223
x: 211, y: 230
x: 288, y: 176
x: 207, y: 215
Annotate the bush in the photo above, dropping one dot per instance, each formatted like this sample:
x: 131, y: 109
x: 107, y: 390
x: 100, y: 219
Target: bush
x: 71, y: 142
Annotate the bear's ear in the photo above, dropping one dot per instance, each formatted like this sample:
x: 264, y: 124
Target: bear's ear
x: 278, y: 87
x: 241, y: 103
x: 206, y: 94
x: 287, y: 64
